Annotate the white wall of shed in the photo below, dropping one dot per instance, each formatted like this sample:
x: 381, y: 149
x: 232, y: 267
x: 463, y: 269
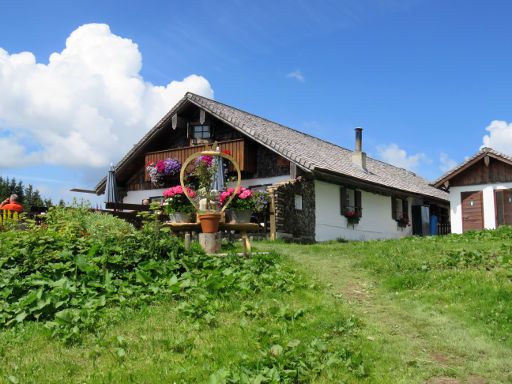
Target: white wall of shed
x: 376, y: 221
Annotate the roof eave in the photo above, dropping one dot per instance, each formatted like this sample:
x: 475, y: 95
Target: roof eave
x: 376, y: 186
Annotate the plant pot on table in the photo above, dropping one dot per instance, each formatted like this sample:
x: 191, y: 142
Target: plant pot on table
x: 209, y: 221
x: 237, y: 216
x: 180, y: 217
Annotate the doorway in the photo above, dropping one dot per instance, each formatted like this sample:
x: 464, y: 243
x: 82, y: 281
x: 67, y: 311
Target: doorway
x: 503, y: 201
x: 472, y: 211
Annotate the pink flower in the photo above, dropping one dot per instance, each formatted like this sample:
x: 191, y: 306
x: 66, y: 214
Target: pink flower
x: 245, y: 194
x: 191, y: 193
x: 230, y: 190
x: 160, y: 166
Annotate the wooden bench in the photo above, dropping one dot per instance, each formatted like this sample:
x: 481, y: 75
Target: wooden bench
x: 187, y: 228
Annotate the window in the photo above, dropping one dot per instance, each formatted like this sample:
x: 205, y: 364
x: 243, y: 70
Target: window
x: 298, y: 202
x: 399, y: 208
x: 350, y: 202
x: 201, y: 131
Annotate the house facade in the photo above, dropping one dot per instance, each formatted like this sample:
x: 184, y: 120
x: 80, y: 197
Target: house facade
x: 480, y: 191
x: 319, y: 191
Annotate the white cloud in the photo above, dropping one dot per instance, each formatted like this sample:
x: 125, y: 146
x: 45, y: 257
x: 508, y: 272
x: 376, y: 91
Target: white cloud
x: 398, y: 157
x: 446, y: 163
x: 499, y: 137
x: 297, y: 75
x: 87, y: 106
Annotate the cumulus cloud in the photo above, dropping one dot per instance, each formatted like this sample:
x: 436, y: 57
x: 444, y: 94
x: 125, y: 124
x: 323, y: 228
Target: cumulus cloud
x: 398, y: 157
x: 446, y: 163
x: 499, y: 137
x: 87, y: 106
x: 297, y: 75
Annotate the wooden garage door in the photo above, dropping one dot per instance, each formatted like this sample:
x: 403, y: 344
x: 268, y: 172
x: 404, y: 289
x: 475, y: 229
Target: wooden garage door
x: 472, y: 211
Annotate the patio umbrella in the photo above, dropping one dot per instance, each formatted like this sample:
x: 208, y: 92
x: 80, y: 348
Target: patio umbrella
x: 111, y: 195
x: 218, y: 178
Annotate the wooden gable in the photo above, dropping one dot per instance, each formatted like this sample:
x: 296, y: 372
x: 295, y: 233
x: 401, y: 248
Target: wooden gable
x: 486, y: 170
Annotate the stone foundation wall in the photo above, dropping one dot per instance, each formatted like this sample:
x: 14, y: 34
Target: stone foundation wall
x: 292, y: 223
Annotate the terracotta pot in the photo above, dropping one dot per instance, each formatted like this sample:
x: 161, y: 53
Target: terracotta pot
x: 180, y: 217
x: 239, y: 217
x: 209, y: 222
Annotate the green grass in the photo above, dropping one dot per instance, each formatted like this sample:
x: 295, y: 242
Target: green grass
x: 434, y: 307
x: 408, y: 311
x: 159, y: 344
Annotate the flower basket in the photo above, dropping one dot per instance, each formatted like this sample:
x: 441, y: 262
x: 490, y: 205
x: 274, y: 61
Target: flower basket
x: 161, y: 170
x: 402, y: 221
x: 209, y: 221
x: 352, y: 216
x: 243, y: 204
x: 177, y: 205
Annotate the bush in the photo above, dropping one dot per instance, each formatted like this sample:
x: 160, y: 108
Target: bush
x: 69, y: 272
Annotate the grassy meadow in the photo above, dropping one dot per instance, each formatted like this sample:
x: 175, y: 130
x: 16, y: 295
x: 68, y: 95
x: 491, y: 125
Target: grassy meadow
x: 88, y: 299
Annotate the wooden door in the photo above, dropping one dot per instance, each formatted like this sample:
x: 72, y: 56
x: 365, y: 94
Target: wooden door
x: 472, y: 211
x: 503, y: 201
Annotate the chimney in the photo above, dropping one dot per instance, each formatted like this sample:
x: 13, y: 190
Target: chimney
x: 358, y: 156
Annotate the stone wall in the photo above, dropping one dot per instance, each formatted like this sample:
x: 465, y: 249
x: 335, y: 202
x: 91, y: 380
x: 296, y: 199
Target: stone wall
x: 292, y: 223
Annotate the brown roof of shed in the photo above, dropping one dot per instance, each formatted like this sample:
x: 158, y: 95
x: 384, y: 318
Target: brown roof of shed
x: 305, y: 150
x: 485, y: 151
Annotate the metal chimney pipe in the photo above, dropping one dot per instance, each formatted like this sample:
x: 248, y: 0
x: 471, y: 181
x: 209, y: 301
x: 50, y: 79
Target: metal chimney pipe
x: 359, y: 139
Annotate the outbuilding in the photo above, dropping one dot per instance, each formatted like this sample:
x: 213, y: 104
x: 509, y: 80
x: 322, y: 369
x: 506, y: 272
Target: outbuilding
x: 480, y: 191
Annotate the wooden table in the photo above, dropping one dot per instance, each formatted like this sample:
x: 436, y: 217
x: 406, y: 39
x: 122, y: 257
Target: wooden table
x: 186, y: 228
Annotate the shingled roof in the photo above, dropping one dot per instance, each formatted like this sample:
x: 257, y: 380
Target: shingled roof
x: 485, y: 151
x: 308, y: 152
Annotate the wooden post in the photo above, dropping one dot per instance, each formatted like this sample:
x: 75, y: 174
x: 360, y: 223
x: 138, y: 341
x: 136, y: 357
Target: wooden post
x: 187, y: 241
x: 272, y: 215
x: 247, y: 244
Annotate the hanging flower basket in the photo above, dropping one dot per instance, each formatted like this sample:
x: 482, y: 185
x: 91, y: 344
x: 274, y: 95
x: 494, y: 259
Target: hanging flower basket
x: 158, y: 171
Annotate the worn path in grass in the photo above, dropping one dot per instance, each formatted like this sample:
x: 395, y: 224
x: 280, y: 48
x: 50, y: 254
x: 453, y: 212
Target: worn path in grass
x: 411, y: 340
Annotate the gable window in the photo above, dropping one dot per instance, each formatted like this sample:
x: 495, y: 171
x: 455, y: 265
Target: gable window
x: 201, y: 132
x: 350, y: 202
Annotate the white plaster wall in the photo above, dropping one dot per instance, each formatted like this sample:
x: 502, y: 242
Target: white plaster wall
x: 136, y: 197
x: 376, y: 221
x: 488, y: 201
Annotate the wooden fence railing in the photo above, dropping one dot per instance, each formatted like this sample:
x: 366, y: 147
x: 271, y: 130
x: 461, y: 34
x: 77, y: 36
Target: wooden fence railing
x: 444, y: 229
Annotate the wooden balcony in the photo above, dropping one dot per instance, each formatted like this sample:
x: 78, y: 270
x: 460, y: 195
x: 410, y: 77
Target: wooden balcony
x: 240, y: 149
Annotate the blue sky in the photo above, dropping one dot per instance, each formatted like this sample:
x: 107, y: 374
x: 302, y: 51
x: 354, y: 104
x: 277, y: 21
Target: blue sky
x: 426, y: 79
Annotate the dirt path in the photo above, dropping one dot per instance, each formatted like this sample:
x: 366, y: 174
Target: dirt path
x: 410, y: 342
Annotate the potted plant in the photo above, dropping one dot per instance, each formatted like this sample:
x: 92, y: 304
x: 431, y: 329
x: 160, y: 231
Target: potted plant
x: 158, y: 170
x: 177, y: 206
x: 403, y: 221
x: 244, y: 203
x: 209, y: 214
x: 353, y: 216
